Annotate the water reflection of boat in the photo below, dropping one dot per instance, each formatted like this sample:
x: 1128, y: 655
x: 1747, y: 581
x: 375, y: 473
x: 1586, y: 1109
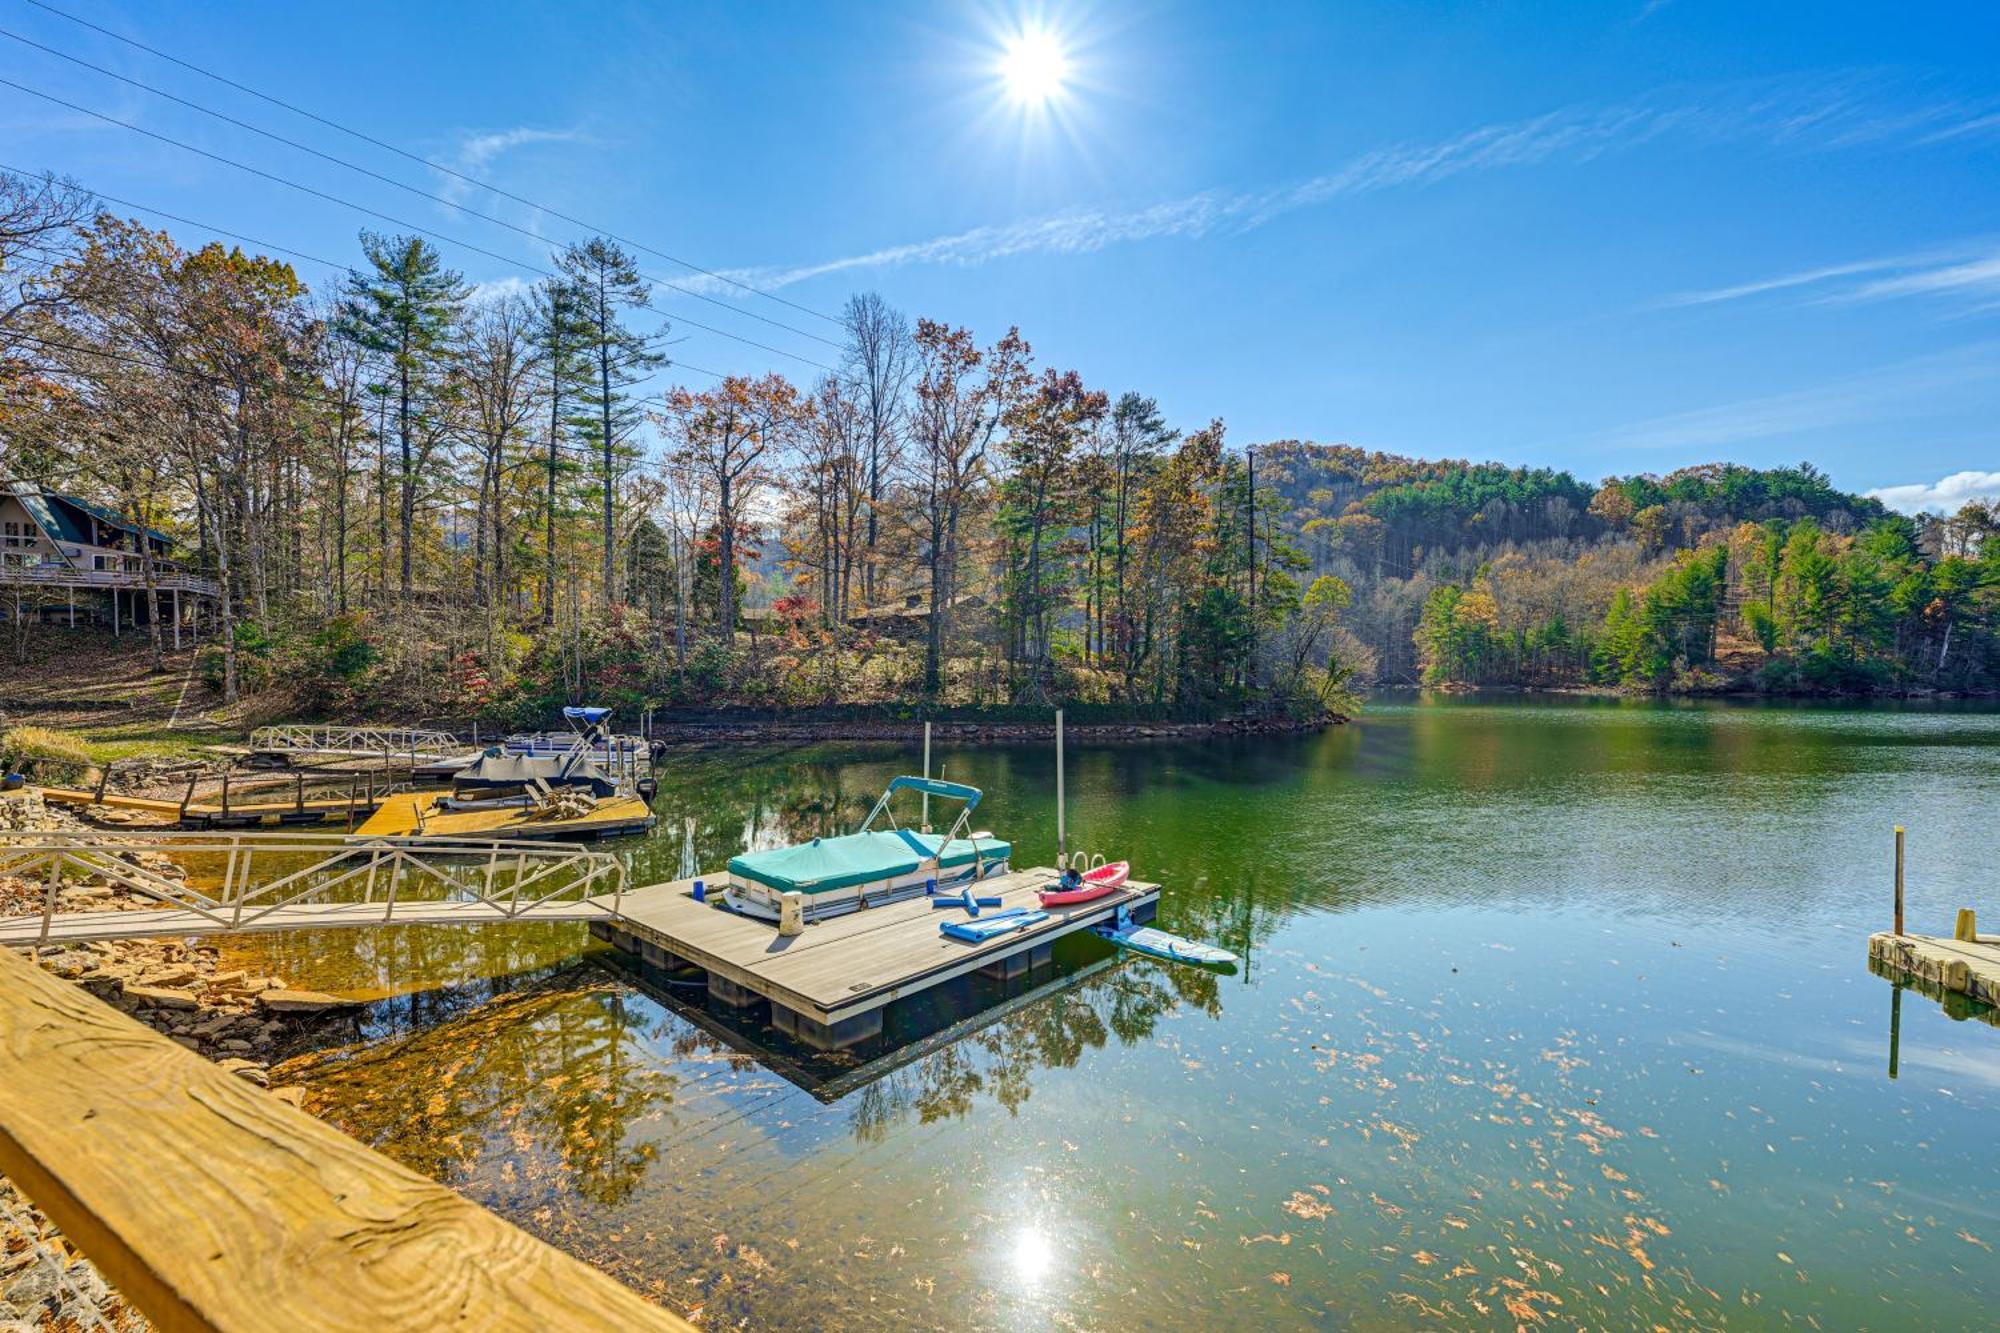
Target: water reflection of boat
x: 869, y: 866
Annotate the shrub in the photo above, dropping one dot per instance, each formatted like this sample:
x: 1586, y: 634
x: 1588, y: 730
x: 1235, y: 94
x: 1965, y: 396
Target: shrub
x: 52, y: 758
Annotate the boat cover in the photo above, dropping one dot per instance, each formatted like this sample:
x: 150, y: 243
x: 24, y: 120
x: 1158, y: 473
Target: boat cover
x: 858, y: 858
x: 497, y: 769
x: 589, y: 716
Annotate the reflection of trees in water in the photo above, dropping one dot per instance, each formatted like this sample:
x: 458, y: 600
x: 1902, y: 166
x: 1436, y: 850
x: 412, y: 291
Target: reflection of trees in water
x: 547, y: 1080
x: 381, y: 962
x: 1000, y: 1061
x: 763, y: 799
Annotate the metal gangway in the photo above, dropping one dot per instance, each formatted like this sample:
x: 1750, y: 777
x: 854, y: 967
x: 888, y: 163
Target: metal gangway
x: 417, y: 745
x: 303, y: 882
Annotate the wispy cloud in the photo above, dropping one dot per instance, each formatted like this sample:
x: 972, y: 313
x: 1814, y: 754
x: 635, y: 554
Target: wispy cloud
x: 1946, y: 495
x: 1872, y: 396
x: 1826, y: 112
x: 500, y: 289
x: 1970, y: 268
x: 475, y: 153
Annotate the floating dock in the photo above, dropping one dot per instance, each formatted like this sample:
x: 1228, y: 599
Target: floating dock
x: 828, y: 986
x: 414, y: 815
x: 313, y: 810
x: 1966, y: 967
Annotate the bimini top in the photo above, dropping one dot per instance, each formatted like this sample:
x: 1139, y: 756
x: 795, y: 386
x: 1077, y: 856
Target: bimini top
x: 588, y: 716
x: 859, y: 858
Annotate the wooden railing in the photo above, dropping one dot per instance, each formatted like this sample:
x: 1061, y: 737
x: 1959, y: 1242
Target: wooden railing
x: 212, y: 1205
x: 64, y: 576
x: 468, y: 881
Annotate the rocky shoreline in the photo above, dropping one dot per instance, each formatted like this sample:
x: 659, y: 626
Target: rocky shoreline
x: 176, y: 987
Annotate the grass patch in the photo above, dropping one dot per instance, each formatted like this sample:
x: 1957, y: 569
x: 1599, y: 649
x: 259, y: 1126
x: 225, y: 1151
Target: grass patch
x: 53, y: 758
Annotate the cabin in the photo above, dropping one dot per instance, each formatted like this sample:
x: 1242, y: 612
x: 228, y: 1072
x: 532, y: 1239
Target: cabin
x: 81, y: 560
x: 909, y: 619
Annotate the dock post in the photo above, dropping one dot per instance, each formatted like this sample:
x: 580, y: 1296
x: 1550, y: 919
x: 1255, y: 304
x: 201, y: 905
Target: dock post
x: 225, y: 792
x: 1899, y: 879
x: 186, y: 797
x: 1966, y: 928
x: 299, y: 804
x: 700, y: 892
x: 1062, y: 833
x: 103, y: 778
x: 927, y: 774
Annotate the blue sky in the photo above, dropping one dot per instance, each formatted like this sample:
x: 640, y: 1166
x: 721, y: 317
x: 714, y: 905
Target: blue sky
x: 1611, y: 237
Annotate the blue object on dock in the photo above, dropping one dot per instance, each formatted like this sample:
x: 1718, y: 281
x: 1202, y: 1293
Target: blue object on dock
x: 977, y: 932
x: 965, y: 900
x: 700, y: 892
x: 930, y: 887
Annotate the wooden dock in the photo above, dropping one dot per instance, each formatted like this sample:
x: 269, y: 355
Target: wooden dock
x: 829, y: 985
x: 414, y: 815
x: 313, y: 810
x: 214, y: 1207
x: 1967, y: 967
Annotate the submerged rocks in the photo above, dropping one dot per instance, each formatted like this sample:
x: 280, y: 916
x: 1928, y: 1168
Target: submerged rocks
x: 301, y: 1001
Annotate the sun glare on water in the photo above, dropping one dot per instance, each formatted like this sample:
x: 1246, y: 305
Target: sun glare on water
x: 1034, y: 67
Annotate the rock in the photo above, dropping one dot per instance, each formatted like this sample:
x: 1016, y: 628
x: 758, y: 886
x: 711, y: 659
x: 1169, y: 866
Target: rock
x: 170, y: 976
x: 162, y: 997
x: 237, y: 1046
x: 104, y: 987
x: 36, y: 1283
x: 229, y: 979
x: 292, y: 1096
x: 301, y: 1001
x: 190, y: 1042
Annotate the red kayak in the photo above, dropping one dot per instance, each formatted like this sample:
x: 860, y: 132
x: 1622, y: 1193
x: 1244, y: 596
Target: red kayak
x: 1096, y: 883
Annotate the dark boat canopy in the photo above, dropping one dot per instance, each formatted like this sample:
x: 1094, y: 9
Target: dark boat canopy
x: 496, y: 770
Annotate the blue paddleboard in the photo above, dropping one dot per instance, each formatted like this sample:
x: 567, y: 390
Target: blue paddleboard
x: 1161, y: 944
x: 987, y: 927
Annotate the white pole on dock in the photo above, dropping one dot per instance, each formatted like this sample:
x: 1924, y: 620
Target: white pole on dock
x: 927, y: 776
x: 1062, y: 834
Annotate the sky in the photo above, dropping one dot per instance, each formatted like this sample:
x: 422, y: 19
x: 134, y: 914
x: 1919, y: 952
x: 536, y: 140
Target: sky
x: 1612, y: 237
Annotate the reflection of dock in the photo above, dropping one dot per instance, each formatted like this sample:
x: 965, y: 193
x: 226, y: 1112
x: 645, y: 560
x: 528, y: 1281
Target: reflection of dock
x: 828, y: 987
x: 1939, y: 966
x: 976, y: 1004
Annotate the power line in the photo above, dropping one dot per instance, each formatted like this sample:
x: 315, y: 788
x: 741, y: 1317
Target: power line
x: 199, y: 226
x: 320, y: 395
x: 377, y: 213
x: 426, y: 162
x: 390, y: 180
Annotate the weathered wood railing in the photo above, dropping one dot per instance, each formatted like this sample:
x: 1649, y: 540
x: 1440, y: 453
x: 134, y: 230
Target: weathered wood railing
x: 489, y: 880
x: 211, y: 1205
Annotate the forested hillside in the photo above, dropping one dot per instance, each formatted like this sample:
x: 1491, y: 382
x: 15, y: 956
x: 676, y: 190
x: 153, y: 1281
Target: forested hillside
x: 1710, y: 577
x: 422, y: 498
x: 418, y: 497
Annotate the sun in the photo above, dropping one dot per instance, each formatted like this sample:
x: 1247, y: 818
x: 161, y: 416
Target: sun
x: 1034, y: 67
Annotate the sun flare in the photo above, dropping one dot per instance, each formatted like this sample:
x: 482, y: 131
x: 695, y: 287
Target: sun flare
x: 1034, y: 67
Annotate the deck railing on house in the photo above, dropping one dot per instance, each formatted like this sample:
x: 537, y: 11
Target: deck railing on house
x: 124, y: 580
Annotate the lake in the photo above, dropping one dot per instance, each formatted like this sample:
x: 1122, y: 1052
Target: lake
x: 1553, y: 1010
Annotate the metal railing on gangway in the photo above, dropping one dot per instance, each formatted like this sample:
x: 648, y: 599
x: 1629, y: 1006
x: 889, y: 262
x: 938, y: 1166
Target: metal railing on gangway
x: 308, y: 881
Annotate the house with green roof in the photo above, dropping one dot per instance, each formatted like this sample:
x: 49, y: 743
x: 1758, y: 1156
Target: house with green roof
x: 96, y: 560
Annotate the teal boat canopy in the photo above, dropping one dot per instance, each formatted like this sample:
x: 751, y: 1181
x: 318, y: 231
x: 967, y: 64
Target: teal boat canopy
x: 954, y: 791
x: 825, y: 864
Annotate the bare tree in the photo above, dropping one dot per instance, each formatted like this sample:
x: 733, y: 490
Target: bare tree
x: 879, y: 362
x: 963, y: 396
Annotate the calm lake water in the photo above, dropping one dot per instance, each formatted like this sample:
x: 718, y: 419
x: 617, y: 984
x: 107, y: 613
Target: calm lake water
x: 1553, y: 1011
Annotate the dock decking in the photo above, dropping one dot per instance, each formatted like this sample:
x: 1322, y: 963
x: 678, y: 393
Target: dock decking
x: 411, y: 815
x: 828, y: 986
x: 1969, y: 967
